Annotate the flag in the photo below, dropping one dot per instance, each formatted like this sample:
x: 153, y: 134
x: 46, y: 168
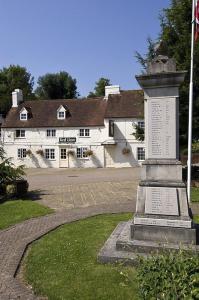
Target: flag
x: 197, y: 20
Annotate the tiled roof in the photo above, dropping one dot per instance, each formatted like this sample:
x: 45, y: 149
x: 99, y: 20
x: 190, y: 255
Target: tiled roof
x: 81, y: 113
x: 127, y: 104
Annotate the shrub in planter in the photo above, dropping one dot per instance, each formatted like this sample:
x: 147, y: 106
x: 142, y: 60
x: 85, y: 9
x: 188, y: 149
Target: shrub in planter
x: 8, y: 172
x: 40, y: 152
x: 170, y: 275
x: 71, y: 153
x: 21, y: 187
x: 17, y: 188
x: 126, y: 151
x: 89, y: 152
x: 10, y: 189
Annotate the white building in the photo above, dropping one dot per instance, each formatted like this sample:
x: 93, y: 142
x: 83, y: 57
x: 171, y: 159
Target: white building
x: 95, y: 132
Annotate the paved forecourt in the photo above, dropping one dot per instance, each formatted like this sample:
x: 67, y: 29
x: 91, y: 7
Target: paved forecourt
x: 74, y: 188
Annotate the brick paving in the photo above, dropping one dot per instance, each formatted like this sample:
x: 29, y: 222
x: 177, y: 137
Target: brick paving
x: 15, y: 240
x: 72, y: 196
x: 79, y: 196
x: 73, y: 188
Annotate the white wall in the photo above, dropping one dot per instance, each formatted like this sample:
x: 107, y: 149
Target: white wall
x: 36, y: 139
x: 124, y: 138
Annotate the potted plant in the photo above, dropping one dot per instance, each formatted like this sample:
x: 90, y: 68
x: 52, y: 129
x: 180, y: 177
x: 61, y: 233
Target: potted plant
x: 40, y: 152
x: 29, y: 152
x: 126, y: 151
x: 11, y: 177
x: 89, y: 152
x: 71, y: 153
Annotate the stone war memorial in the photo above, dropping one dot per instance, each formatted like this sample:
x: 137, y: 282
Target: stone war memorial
x: 162, y: 218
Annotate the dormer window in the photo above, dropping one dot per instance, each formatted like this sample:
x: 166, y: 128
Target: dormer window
x: 61, y: 113
x: 23, y: 114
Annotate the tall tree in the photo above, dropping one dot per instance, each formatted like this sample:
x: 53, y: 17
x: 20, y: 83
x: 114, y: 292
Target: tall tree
x: 11, y: 78
x: 175, y: 24
x: 56, y: 86
x: 99, y: 89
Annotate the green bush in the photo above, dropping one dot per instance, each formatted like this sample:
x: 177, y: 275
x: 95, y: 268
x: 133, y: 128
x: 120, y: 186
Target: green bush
x: 8, y: 171
x: 195, y: 148
x: 171, y: 275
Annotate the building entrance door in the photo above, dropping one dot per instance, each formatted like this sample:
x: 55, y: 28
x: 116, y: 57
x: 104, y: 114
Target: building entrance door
x: 63, y: 158
x: 109, y: 156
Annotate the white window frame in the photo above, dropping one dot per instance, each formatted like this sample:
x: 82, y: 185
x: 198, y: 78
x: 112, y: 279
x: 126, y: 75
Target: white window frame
x: 141, y: 124
x: 140, y: 154
x: 84, y: 132
x: 23, y: 116
x: 21, y: 153
x: 51, y: 133
x: 80, y: 153
x: 63, y: 153
x: 61, y: 117
x: 21, y: 136
x: 50, y: 153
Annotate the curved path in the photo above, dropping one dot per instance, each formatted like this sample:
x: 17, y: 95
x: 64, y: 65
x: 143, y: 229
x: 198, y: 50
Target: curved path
x: 15, y: 240
x: 75, y: 195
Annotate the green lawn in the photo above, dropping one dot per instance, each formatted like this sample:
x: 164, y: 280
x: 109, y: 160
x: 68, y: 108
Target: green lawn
x: 15, y: 211
x: 194, y: 194
x: 63, y: 264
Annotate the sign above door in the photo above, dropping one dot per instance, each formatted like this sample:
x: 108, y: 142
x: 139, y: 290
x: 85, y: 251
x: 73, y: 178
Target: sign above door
x: 67, y: 140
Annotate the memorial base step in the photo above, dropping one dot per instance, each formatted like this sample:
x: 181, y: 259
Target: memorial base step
x: 119, y: 248
x: 146, y: 239
x: 162, y: 234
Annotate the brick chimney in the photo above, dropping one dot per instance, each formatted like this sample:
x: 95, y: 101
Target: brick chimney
x: 17, y: 97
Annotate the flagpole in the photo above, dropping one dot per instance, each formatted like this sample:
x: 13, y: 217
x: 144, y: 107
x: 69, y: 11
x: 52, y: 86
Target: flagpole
x: 190, y: 107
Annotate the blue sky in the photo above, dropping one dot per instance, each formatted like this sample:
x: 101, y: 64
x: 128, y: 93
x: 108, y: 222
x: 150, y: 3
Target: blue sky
x: 87, y: 38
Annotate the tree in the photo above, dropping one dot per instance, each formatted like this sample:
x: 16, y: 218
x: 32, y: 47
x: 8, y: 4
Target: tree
x: 56, y: 86
x: 99, y: 89
x: 138, y: 133
x: 8, y: 172
x: 11, y: 78
x: 175, y: 24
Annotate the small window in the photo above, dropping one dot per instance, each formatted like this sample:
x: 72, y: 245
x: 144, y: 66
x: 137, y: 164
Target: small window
x: 51, y: 132
x: 21, y: 153
x: 111, y: 128
x: 23, y: 116
x: 81, y: 152
x: 84, y: 132
x: 141, y: 124
x: 61, y: 115
x: 50, y: 154
x: 63, y: 153
x: 81, y: 132
x: 20, y: 133
x: 141, y: 153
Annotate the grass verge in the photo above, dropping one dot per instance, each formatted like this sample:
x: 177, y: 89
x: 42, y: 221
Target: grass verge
x: 15, y: 211
x: 63, y: 264
x: 194, y: 194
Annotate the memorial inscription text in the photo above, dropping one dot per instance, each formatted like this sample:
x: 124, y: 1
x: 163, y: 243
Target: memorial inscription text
x: 162, y: 129
x: 161, y: 201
